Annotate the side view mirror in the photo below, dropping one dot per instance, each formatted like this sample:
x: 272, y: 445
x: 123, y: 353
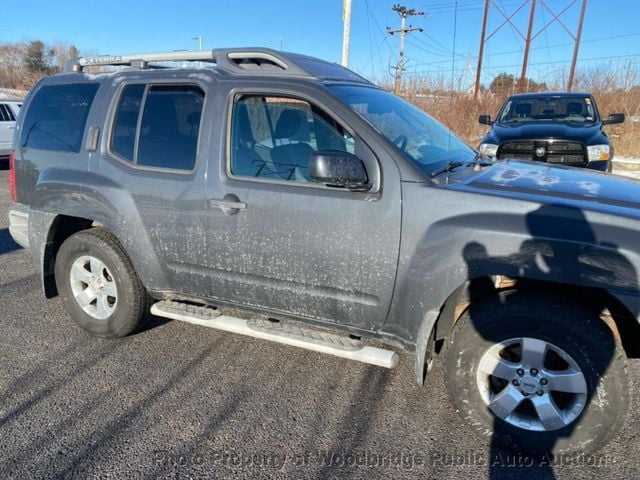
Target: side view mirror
x: 340, y: 169
x: 485, y: 120
x: 614, y: 118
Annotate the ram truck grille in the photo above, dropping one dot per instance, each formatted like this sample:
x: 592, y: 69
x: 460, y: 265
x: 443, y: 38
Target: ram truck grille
x: 557, y: 152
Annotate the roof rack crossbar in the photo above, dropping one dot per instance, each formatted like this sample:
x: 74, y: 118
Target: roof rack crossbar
x: 247, y: 61
x: 222, y: 57
x: 78, y: 64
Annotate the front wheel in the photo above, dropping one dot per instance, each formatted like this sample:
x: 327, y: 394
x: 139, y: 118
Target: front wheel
x: 539, y: 374
x: 99, y: 287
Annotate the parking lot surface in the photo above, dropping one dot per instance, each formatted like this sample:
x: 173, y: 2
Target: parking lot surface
x: 182, y: 401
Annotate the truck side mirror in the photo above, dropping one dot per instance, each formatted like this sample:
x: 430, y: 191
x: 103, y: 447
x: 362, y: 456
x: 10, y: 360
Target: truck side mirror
x: 614, y: 118
x: 485, y: 119
x: 337, y: 168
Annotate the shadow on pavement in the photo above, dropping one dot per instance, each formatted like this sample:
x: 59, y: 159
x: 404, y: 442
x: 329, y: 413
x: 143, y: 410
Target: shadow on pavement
x: 6, y: 242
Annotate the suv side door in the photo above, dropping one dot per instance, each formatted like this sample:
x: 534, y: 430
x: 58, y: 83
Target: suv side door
x: 155, y: 149
x: 277, y: 240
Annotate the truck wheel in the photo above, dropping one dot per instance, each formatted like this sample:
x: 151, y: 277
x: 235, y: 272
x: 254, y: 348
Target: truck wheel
x: 538, y: 374
x: 99, y: 287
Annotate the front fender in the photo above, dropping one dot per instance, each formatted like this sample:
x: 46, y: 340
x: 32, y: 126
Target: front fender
x: 449, y: 238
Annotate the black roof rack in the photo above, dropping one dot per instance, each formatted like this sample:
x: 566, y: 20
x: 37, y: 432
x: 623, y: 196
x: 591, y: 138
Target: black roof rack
x: 234, y: 60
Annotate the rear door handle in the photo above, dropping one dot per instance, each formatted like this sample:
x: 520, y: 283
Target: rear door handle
x: 230, y: 204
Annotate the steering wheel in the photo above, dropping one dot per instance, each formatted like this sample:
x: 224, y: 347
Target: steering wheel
x: 401, y: 141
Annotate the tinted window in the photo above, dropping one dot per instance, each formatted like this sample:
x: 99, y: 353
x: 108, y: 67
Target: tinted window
x: 170, y: 126
x: 57, y: 117
x: 272, y: 137
x: 566, y: 108
x: 6, y: 115
x: 123, y: 137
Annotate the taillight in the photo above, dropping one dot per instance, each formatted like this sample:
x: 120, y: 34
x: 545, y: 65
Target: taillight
x: 12, y: 175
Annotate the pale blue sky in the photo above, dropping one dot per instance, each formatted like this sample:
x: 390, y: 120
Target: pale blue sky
x: 611, y: 34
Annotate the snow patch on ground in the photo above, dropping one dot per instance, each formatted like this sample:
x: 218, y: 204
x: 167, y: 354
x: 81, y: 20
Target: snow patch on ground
x: 627, y: 160
x: 627, y: 166
x: 10, y: 93
x: 628, y: 173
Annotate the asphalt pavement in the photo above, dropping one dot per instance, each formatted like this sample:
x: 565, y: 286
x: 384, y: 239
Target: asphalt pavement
x: 182, y: 401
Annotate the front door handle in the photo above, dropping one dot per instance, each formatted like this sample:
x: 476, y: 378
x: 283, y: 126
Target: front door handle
x: 230, y: 204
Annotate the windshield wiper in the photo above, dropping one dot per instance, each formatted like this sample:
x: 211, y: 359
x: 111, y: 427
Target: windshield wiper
x: 446, y: 168
x: 478, y: 161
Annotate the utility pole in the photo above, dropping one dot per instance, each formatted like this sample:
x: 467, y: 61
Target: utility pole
x: 527, y: 43
x: 576, y: 46
x: 404, y: 13
x: 346, y: 29
x: 476, y: 85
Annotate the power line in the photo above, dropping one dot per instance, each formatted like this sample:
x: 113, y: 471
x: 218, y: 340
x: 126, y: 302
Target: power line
x: 426, y: 50
x: 497, y: 67
x: 385, y: 38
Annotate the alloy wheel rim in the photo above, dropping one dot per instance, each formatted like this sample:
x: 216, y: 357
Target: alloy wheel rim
x: 531, y: 384
x: 93, y: 286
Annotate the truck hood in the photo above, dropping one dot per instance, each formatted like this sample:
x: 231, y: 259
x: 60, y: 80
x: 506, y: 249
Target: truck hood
x: 538, y: 181
x: 589, y: 134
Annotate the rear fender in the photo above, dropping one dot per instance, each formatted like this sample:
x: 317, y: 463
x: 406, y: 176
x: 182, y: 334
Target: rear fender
x: 98, y: 201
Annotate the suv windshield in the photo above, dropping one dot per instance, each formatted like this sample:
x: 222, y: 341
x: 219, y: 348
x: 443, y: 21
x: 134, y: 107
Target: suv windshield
x: 566, y: 108
x: 424, y: 140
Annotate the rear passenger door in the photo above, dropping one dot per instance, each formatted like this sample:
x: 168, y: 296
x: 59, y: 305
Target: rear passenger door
x: 277, y: 239
x: 153, y: 151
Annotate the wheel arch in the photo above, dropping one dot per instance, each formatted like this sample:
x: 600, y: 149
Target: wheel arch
x: 614, y: 313
x: 62, y: 227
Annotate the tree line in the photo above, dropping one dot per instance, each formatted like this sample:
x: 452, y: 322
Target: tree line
x: 22, y: 63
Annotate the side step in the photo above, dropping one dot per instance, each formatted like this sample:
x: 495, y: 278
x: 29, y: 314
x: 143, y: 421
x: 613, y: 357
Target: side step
x: 280, y: 332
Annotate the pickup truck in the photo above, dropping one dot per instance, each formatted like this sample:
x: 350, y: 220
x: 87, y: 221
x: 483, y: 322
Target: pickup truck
x: 562, y: 128
x: 283, y: 197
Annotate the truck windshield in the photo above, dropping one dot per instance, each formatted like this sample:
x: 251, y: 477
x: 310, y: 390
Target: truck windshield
x: 566, y: 108
x: 424, y: 140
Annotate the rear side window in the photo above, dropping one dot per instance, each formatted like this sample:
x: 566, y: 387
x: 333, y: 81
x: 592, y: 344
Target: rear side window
x: 57, y: 117
x: 123, y: 138
x: 165, y: 133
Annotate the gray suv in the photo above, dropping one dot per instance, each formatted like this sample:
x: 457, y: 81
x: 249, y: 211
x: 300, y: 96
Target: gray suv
x: 286, y: 198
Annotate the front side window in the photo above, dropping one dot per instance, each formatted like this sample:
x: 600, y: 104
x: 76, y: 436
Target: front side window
x: 167, y: 136
x: 272, y: 137
x: 57, y: 117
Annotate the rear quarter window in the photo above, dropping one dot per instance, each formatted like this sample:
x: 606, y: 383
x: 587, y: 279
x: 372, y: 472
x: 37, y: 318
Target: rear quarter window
x: 57, y: 116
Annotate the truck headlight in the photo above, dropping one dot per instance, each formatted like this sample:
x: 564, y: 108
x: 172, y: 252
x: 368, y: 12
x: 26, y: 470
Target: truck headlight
x: 488, y: 149
x: 598, y: 152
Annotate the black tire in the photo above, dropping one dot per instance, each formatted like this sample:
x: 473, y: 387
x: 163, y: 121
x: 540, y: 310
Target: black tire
x: 554, y: 320
x: 130, y: 310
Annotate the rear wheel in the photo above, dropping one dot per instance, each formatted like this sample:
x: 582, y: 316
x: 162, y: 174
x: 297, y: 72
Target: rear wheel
x: 539, y: 374
x: 99, y: 287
